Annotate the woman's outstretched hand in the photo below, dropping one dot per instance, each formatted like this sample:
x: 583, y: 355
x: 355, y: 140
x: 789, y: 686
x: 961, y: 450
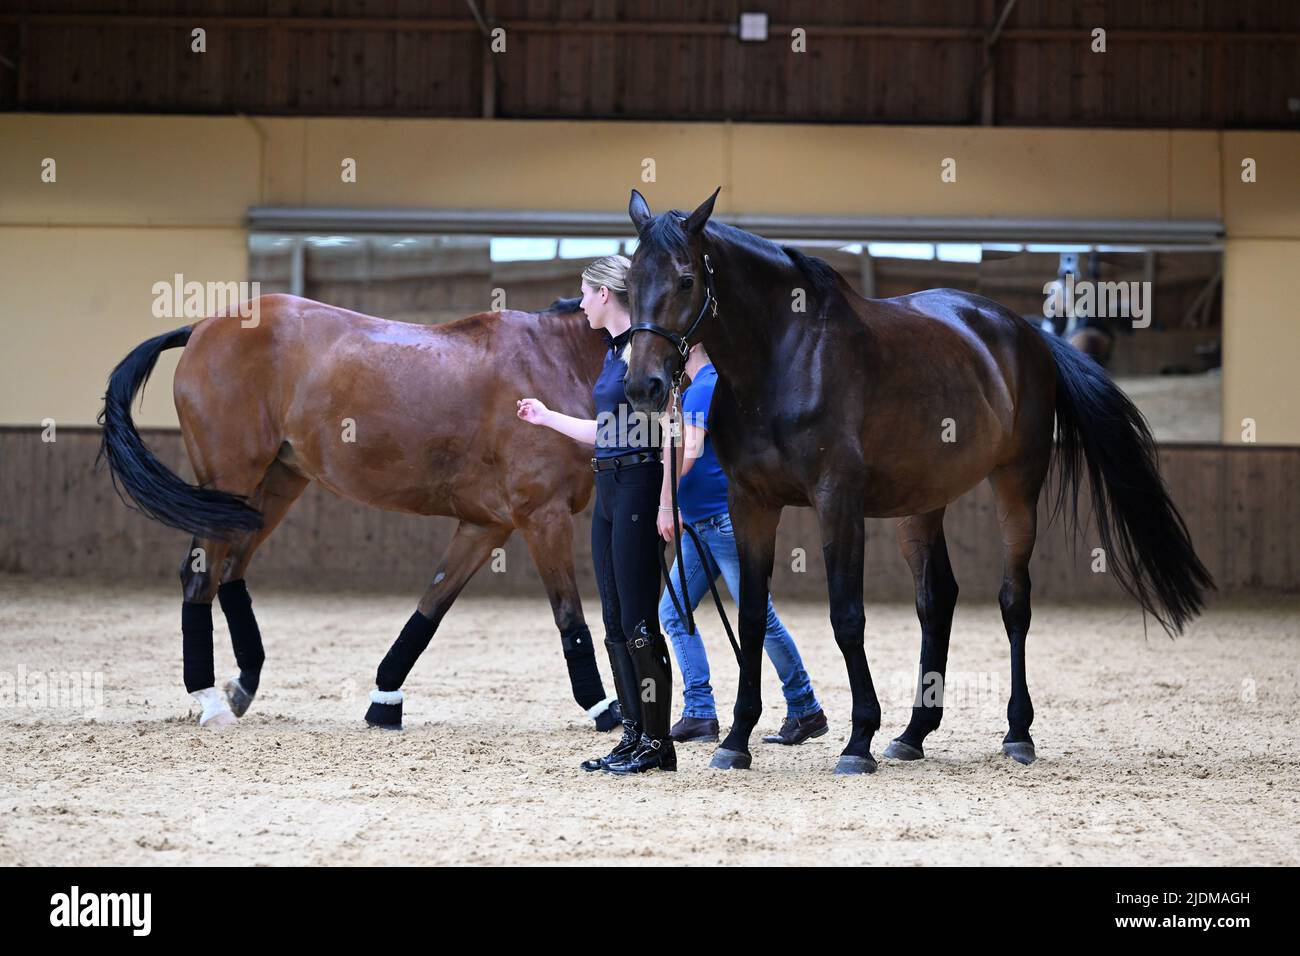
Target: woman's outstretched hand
x: 531, y: 410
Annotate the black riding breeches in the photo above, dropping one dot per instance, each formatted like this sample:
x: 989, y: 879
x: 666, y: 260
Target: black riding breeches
x: 626, y: 548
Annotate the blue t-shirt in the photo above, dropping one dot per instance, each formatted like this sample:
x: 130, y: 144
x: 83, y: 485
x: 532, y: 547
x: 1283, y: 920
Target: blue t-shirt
x: 702, y: 492
x: 619, y: 429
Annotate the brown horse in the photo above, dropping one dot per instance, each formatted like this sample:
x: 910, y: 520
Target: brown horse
x: 891, y: 408
x: 410, y: 418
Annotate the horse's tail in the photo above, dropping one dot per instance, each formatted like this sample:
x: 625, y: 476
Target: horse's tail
x: 1144, y: 537
x: 141, y: 480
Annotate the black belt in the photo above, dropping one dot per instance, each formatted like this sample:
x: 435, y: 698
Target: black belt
x: 622, y: 461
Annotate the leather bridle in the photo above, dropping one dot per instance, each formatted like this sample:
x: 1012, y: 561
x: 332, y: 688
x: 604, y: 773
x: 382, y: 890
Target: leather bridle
x: 682, y: 342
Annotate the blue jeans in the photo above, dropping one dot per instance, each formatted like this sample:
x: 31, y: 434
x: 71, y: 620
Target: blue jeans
x: 718, y: 537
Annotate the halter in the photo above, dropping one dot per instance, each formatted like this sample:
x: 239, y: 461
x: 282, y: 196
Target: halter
x: 682, y: 342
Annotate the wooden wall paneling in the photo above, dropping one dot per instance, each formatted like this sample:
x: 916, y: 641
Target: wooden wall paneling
x: 1043, y: 75
x: 1241, y: 504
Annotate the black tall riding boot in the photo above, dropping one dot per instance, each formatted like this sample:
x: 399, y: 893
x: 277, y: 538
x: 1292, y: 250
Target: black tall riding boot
x: 620, y: 662
x: 654, y: 679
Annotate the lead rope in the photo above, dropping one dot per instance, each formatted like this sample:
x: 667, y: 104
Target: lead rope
x: 677, y: 431
x: 683, y: 607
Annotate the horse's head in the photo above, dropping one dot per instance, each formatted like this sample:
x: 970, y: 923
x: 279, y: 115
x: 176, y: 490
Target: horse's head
x: 670, y: 291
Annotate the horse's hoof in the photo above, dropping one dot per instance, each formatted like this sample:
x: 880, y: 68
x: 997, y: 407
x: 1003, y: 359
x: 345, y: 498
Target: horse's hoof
x: 385, y: 716
x: 850, y: 764
x: 898, y: 750
x: 724, y: 759
x: 385, y: 709
x: 1020, y: 751
x: 219, y: 719
x: 238, y: 698
x: 216, y: 712
x: 608, y: 715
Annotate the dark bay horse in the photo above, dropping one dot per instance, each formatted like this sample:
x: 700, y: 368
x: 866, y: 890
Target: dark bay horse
x: 892, y: 408
x: 411, y: 418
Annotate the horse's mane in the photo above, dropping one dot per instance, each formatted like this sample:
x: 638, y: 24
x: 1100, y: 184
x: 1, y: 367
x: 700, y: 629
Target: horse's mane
x: 666, y: 231
x: 825, y: 280
x: 563, y: 306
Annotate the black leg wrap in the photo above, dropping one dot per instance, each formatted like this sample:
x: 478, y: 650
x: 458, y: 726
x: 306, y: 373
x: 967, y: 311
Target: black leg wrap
x: 654, y: 678
x: 245, y: 637
x: 620, y: 662
x: 584, y: 677
x: 196, y: 645
x: 408, y: 647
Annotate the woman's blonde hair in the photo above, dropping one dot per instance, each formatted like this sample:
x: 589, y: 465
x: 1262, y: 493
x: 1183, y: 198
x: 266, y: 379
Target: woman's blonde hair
x: 610, y: 272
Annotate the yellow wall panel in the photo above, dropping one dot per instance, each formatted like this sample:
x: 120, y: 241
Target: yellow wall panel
x: 284, y: 150
x: 501, y: 164
x: 1270, y: 206
x: 895, y: 171
x: 119, y: 170
x: 77, y: 300
x: 1194, y: 161
x: 1261, y: 339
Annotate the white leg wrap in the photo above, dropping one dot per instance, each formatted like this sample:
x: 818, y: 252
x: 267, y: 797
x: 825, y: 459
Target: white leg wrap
x: 216, y: 712
x: 596, y: 710
x: 378, y: 696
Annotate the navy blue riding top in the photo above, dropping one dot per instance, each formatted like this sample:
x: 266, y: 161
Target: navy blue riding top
x: 619, y: 429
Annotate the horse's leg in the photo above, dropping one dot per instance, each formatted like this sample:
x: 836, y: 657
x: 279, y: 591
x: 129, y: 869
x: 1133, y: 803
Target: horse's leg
x: 549, y: 535
x: 200, y: 575
x: 232, y: 451
x: 470, y: 547
x: 230, y: 467
x: 921, y: 539
x: 844, y: 537
x: 755, y: 528
x: 276, y: 494
x: 1017, y: 503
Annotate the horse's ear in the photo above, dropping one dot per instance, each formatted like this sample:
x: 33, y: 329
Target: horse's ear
x: 639, y: 211
x: 695, y: 224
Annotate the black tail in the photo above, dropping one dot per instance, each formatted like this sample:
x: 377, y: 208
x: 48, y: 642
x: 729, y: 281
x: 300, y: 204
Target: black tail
x: 149, y: 486
x: 1145, y: 539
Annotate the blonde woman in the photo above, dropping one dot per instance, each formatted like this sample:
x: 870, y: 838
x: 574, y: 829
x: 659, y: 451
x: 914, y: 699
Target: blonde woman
x: 625, y: 543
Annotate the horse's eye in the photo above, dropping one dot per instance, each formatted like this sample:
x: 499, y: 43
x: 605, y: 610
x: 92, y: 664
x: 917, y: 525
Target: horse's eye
x: 686, y: 282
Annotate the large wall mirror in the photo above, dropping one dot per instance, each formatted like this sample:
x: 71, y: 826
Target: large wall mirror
x: 1151, y: 313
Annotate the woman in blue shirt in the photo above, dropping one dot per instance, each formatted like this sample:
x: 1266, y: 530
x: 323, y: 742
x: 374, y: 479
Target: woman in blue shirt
x: 625, y: 544
x: 702, y: 497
